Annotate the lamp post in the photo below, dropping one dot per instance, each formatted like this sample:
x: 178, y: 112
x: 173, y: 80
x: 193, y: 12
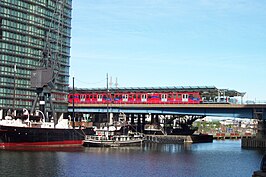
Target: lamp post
x: 107, y: 98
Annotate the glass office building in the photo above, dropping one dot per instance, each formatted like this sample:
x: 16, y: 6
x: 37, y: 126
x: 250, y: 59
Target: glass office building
x: 33, y: 34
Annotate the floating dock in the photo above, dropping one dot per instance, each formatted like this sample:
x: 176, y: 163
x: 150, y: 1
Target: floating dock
x: 223, y: 136
x: 201, y: 138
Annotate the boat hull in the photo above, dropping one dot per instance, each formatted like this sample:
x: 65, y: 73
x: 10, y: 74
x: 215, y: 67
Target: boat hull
x: 110, y: 143
x: 11, y: 136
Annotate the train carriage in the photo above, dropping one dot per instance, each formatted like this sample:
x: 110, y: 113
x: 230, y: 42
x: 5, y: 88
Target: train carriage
x: 135, y: 98
x: 155, y: 95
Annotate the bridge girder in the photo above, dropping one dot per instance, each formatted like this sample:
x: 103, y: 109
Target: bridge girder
x: 217, y: 112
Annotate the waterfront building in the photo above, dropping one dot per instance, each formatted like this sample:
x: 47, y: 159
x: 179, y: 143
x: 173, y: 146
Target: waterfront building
x: 33, y: 34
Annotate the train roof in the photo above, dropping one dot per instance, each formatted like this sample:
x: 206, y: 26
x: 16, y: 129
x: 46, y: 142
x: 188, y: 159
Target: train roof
x: 208, y: 91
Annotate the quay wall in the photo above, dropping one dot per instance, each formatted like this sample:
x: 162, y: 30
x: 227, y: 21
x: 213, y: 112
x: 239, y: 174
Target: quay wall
x: 253, y: 143
x: 259, y: 174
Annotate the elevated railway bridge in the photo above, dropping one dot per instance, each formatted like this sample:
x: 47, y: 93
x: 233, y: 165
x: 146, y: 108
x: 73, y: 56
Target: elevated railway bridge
x: 194, y: 101
x: 97, y: 104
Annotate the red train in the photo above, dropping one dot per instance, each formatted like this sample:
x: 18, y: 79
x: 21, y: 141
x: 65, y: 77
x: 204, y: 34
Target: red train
x: 137, y: 97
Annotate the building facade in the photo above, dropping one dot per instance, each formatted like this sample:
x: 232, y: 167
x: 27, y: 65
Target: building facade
x: 33, y: 34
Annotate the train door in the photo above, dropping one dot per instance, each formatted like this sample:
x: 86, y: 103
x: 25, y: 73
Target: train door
x: 163, y: 97
x: 82, y: 98
x: 184, y: 97
x: 125, y: 97
x: 143, y: 98
x: 99, y: 97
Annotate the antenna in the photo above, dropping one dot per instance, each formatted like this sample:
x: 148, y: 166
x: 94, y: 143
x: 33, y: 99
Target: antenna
x: 111, y: 82
x: 116, y: 84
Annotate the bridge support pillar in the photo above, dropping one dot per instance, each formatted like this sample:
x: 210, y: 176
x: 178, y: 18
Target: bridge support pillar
x: 111, y: 118
x: 139, y: 124
x: 127, y: 117
x: 132, y: 119
x: 152, y: 119
x: 143, y: 123
x: 157, y: 122
x: 261, y: 134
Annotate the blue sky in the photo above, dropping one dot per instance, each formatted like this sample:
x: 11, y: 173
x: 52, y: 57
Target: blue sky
x: 150, y: 43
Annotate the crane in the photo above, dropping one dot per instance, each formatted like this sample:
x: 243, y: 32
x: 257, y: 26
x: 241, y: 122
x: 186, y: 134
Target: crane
x: 43, y: 78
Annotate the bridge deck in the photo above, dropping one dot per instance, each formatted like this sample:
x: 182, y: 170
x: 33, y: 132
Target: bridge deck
x: 257, y: 111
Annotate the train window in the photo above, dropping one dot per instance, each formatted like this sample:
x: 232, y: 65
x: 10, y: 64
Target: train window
x: 71, y: 96
x: 90, y: 96
x: 82, y: 97
x: 125, y: 97
x: 190, y: 96
x: 144, y: 97
x: 169, y: 96
x: 174, y: 96
x: 134, y: 96
x: 149, y: 96
x: 185, y: 97
x: 179, y: 96
x: 138, y: 96
x: 94, y: 96
x: 163, y: 97
x: 130, y: 96
x: 100, y: 97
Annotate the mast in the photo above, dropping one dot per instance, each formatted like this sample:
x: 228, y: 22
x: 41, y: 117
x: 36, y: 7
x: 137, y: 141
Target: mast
x: 107, y: 96
x: 73, y: 105
x: 14, y: 91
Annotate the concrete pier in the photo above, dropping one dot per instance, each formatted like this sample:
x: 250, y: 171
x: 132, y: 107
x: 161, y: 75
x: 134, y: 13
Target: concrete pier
x: 253, y: 143
x: 260, y: 140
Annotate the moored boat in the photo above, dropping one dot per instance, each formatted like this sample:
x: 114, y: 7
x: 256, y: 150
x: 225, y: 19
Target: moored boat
x: 28, y: 130
x: 130, y: 139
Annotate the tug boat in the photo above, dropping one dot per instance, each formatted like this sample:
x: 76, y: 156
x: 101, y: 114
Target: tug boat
x: 110, y: 138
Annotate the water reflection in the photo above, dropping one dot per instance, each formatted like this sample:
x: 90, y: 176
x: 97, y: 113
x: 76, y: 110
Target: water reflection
x: 167, y: 148
x: 220, y: 158
x: 23, y: 163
